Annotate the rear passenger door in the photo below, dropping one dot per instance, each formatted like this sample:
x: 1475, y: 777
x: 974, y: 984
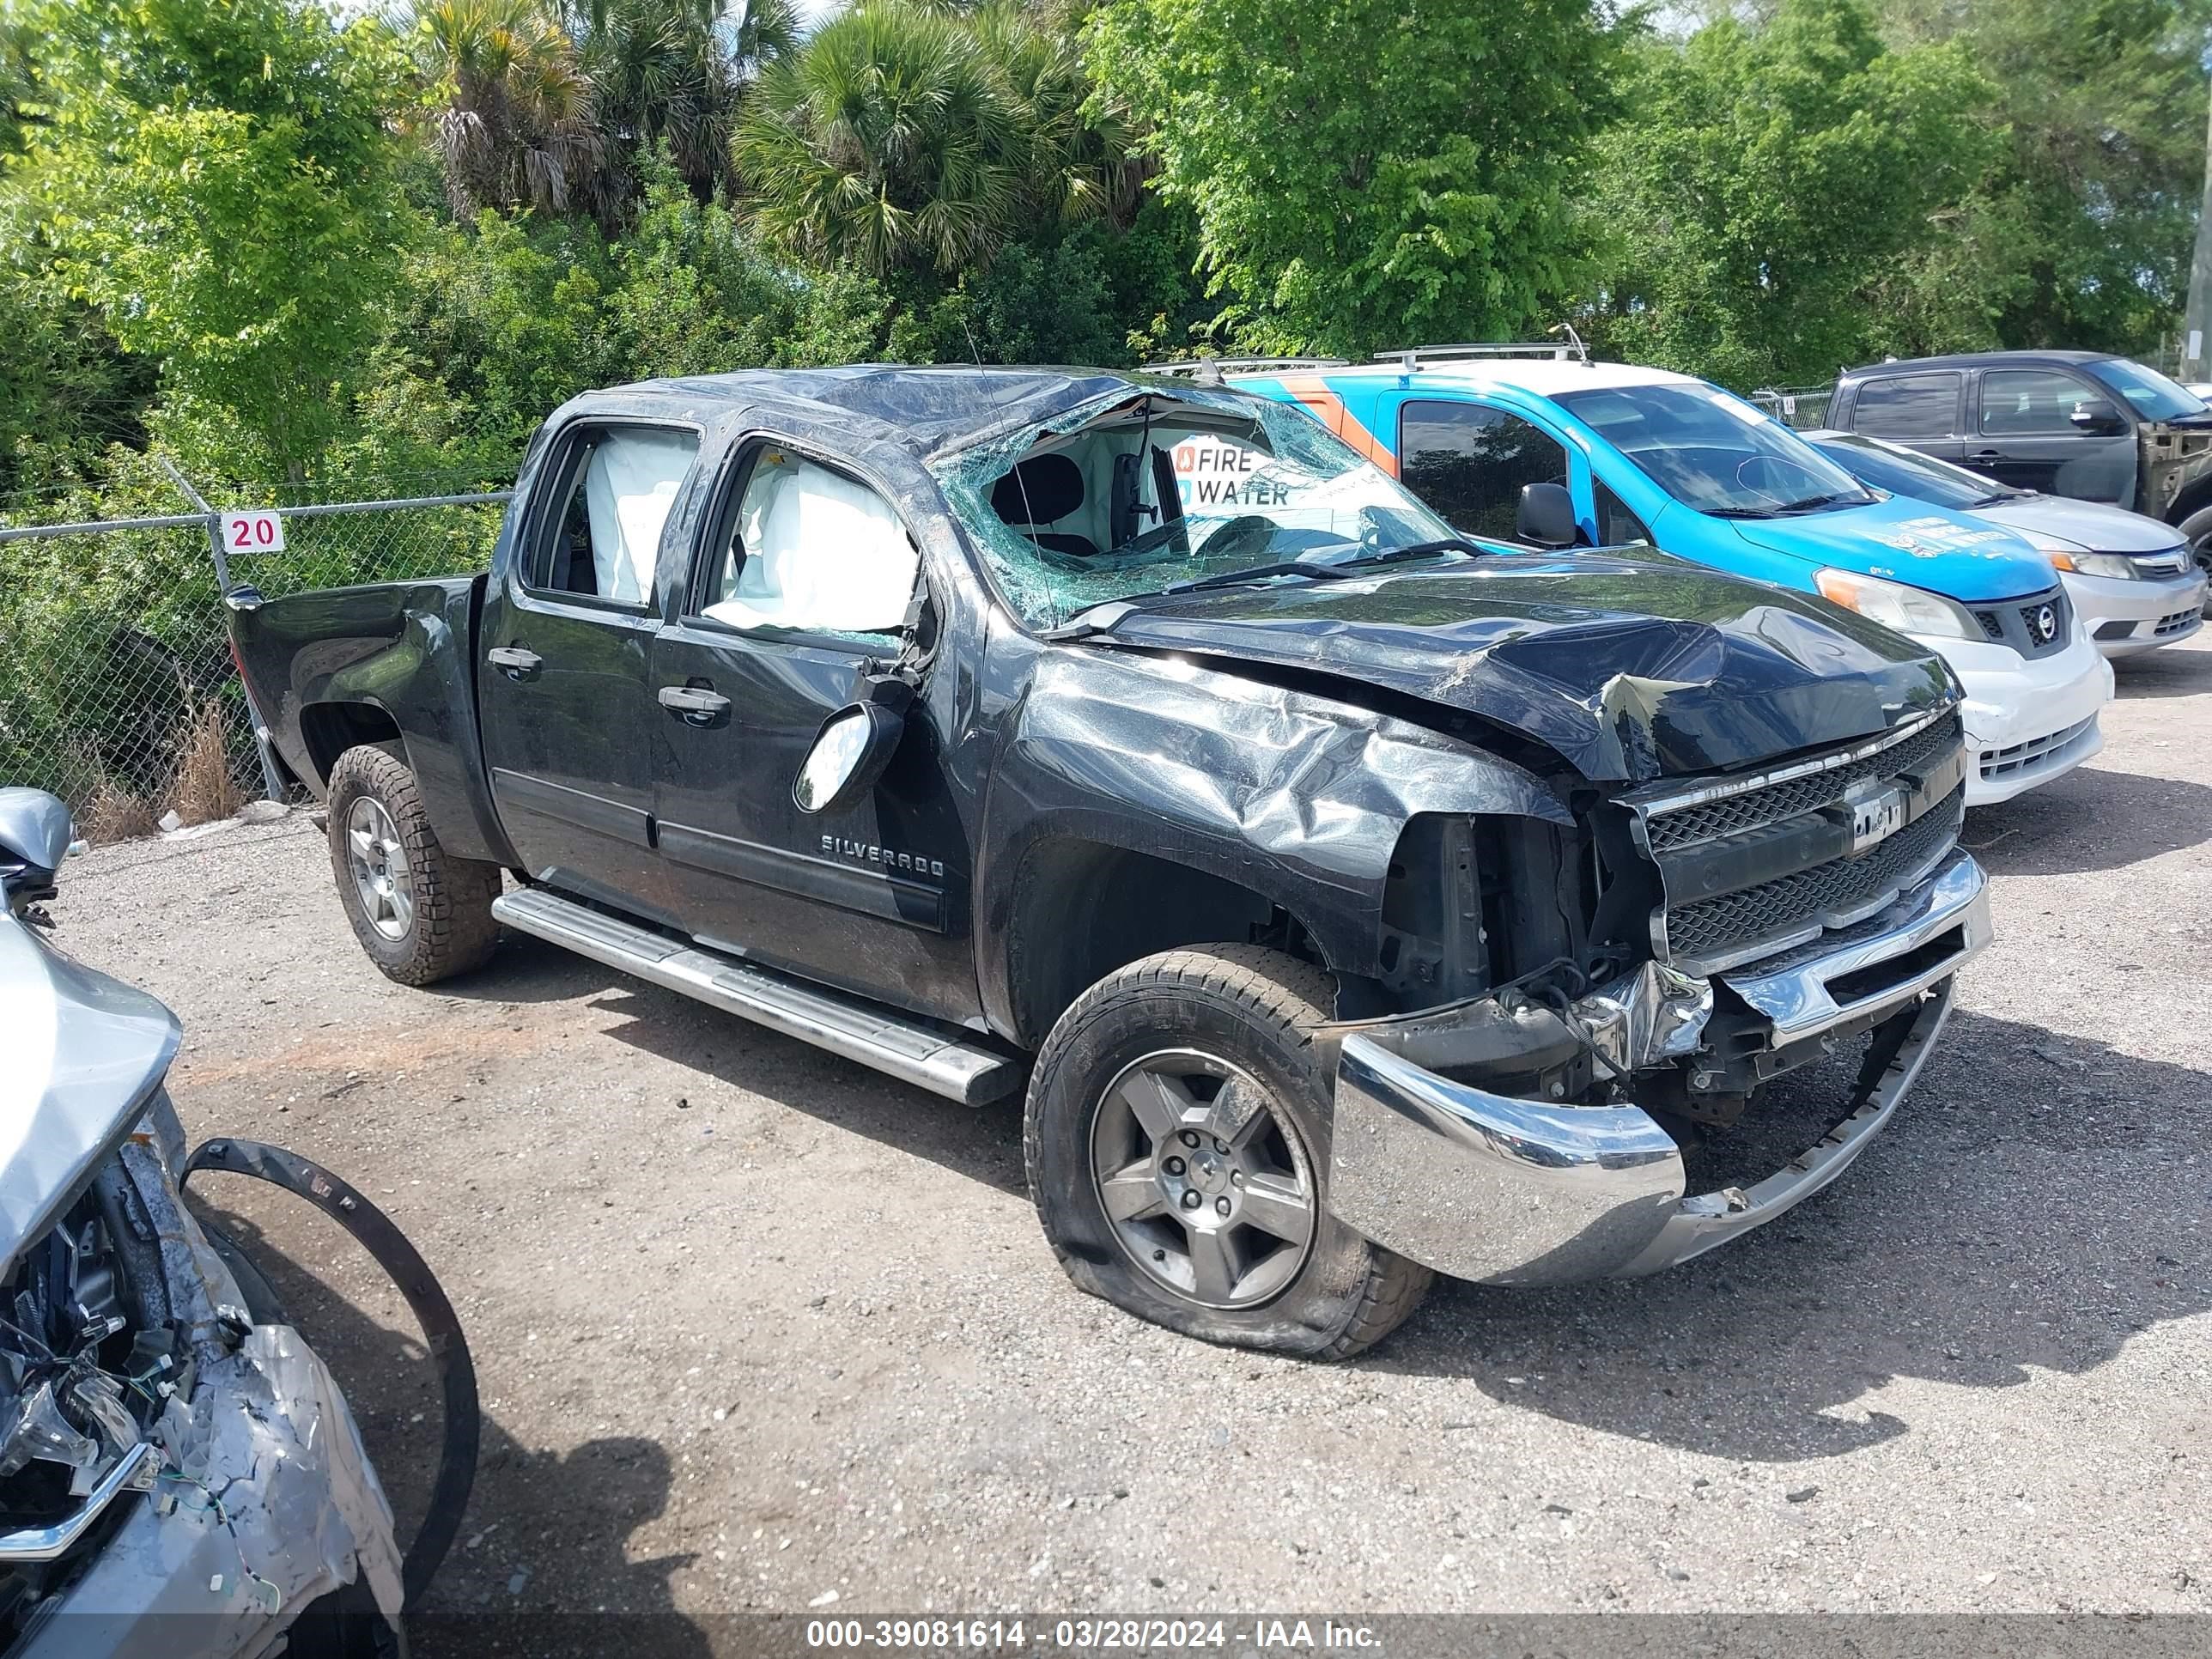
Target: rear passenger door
x: 566, y: 711
x: 807, y: 576
x: 2027, y: 438
x: 1922, y: 411
x: 1468, y: 461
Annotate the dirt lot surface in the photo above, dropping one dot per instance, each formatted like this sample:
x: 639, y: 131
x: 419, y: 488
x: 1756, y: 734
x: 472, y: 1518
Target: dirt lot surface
x: 756, y: 1326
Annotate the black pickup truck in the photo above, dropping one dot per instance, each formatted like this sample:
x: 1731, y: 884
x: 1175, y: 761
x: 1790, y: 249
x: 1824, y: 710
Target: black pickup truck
x: 1354, y: 900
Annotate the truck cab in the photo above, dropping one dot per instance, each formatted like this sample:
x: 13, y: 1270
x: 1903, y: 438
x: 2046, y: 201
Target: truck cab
x: 2086, y: 425
x: 1644, y: 455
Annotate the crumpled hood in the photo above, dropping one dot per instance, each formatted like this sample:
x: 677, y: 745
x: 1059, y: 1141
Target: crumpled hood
x: 1632, y: 665
x: 79, y: 1054
x: 1953, y: 553
x: 2092, y: 526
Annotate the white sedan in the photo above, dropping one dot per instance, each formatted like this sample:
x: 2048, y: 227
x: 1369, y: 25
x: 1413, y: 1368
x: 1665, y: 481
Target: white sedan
x: 2131, y: 578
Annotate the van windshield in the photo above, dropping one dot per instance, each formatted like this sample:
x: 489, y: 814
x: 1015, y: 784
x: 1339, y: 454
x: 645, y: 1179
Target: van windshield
x: 1713, y: 452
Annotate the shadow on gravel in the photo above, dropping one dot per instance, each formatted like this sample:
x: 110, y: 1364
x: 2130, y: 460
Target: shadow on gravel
x: 558, y: 1523
x: 527, y: 969
x: 2171, y: 671
x: 982, y: 1143
x: 2035, y: 1203
x: 2092, y: 819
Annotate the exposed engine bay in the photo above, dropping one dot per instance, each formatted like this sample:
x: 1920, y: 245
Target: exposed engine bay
x: 133, y: 1364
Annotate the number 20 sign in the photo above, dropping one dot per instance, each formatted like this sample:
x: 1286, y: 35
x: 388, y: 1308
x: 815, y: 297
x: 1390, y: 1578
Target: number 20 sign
x: 252, y: 530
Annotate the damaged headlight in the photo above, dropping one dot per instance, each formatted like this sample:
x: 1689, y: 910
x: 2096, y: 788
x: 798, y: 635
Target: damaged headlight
x: 78, y: 1381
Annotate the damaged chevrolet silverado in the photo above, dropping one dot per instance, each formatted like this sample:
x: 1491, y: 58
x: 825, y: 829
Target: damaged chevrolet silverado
x: 180, y: 1474
x: 1355, y: 900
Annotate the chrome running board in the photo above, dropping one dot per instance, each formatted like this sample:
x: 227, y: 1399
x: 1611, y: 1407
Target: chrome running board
x: 905, y: 1048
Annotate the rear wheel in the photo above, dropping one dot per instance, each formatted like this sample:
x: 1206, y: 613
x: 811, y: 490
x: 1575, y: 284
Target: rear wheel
x: 420, y: 913
x: 1178, y: 1137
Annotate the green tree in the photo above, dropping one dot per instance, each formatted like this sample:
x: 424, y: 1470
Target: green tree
x: 1767, y: 180
x: 917, y: 142
x: 2080, y: 233
x: 674, y: 72
x: 511, y: 115
x: 1370, y: 173
x: 215, y: 176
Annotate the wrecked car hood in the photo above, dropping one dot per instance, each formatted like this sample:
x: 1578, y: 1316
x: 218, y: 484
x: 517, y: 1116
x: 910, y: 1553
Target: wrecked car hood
x: 80, y: 1054
x: 1632, y: 666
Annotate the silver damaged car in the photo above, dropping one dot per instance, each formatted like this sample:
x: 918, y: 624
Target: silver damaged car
x: 178, y: 1478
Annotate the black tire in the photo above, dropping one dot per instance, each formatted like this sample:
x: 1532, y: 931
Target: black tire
x: 347, y: 1623
x: 1253, y: 1009
x: 2196, y: 530
x: 448, y: 928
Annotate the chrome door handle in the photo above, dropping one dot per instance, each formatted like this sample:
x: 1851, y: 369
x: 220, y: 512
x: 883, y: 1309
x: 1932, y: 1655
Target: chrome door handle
x: 700, y: 705
x: 514, y: 662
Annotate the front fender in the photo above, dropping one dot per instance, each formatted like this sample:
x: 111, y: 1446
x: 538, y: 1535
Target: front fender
x: 1296, y: 797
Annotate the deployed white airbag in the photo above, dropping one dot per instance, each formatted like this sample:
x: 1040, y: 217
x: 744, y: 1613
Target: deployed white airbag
x: 629, y: 486
x: 820, y: 552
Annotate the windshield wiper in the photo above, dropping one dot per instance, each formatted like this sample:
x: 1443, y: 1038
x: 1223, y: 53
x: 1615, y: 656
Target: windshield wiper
x: 1319, y: 572
x: 1740, y: 512
x: 1416, y: 550
x: 1855, y: 497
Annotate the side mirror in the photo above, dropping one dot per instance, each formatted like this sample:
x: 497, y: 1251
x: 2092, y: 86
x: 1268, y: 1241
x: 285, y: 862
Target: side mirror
x: 2097, y: 417
x: 34, y: 829
x: 849, y: 754
x: 1546, y: 517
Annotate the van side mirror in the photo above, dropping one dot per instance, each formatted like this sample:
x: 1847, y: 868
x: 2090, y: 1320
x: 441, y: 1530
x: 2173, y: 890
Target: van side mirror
x: 1546, y: 517
x: 2098, y: 417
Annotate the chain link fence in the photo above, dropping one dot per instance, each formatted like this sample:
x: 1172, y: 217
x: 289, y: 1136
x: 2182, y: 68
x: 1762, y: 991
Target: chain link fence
x: 1804, y: 407
x: 117, y: 687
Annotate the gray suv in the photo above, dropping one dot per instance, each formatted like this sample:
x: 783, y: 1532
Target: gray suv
x: 2079, y: 423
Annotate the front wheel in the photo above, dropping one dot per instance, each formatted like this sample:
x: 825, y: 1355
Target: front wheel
x: 1177, y: 1139
x: 420, y: 913
x: 2196, y: 530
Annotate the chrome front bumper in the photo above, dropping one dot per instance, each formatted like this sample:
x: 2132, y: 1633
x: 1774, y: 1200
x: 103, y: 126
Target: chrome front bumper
x: 1508, y: 1191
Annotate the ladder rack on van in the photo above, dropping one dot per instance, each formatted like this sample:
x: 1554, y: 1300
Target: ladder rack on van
x: 1414, y: 356
x: 1205, y: 370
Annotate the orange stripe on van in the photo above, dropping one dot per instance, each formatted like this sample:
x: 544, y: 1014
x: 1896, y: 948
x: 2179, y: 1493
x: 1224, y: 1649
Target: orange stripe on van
x: 1309, y: 390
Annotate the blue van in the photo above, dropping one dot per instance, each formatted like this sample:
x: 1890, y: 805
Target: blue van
x: 1617, y: 454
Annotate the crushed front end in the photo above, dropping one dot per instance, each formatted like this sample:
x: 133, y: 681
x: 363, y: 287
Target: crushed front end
x: 1699, y: 940
x: 160, y: 1453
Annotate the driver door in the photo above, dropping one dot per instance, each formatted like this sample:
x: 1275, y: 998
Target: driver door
x: 805, y: 577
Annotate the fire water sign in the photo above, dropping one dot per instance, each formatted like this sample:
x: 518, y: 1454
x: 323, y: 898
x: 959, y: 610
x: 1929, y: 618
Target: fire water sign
x: 1217, y: 471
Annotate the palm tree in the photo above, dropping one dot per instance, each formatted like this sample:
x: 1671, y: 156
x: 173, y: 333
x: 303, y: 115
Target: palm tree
x: 515, y: 125
x: 674, y: 70
x: 890, y: 141
x: 1081, y: 161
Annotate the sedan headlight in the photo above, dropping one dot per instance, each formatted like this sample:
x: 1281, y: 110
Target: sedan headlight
x: 2096, y: 564
x: 1907, y: 610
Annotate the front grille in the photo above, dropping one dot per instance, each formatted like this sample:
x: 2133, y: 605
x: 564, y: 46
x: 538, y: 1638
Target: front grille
x: 1732, y: 815
x: 1841, y: 889
x: 2176, y: 621
x: 2035, y: 751
x: 2020, y: 623
x: 1751, y: 866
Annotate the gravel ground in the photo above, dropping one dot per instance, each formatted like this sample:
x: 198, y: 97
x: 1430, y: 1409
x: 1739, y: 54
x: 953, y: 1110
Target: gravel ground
x: 755, y: 1325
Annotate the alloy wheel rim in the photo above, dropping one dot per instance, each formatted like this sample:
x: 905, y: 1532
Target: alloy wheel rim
x: 380, y: 876
x: 1206, y: 1186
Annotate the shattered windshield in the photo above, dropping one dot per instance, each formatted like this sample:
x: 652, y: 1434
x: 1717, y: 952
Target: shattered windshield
x: 1139, y: 495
